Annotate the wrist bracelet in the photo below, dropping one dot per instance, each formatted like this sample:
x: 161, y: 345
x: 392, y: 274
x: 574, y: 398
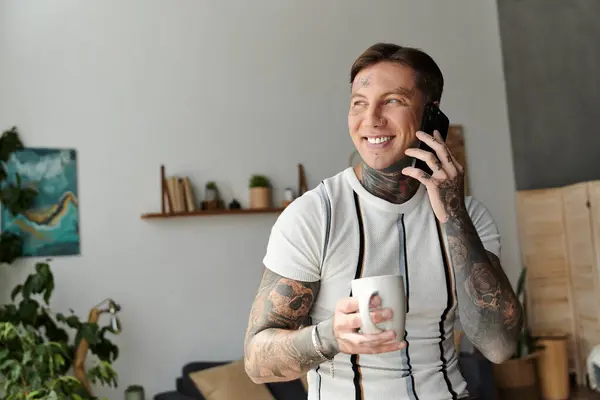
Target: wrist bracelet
x: 317, y: 345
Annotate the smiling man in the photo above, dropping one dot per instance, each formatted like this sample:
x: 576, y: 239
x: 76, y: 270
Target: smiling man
x: 383, y: 217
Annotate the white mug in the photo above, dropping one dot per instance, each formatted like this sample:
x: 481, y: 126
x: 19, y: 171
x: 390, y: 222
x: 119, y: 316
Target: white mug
x: 390, y: 288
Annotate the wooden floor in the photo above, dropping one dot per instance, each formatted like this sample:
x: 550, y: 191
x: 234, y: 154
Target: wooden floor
x: 585, y: 395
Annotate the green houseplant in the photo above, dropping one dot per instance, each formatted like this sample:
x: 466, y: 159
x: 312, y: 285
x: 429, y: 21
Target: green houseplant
x: 211, y: 191
x: 13, y: 196
x: 260, y: 192
x: 37, y: 347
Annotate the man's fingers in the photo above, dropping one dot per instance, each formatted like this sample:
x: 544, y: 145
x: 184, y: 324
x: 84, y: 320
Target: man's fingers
x: 385, y: 348
x: 430, y: 159
x: 421, y: 176
x: 348, y: 305
x: 353, y: 321
x: 442, y: 152
x: 368, y: 344
x: 358, y: 339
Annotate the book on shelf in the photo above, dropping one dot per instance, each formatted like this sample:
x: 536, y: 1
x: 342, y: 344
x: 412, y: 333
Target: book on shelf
x: 181, y: 193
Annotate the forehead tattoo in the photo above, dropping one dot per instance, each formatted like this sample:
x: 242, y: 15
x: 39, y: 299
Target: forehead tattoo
x: 364, y: 80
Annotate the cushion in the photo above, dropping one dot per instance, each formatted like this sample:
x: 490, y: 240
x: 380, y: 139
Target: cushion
x: 227, y: 382
x: 186, y: 385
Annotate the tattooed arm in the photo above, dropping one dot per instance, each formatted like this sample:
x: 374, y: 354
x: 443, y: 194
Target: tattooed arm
x: 278, y: 344
x: 489, y: 311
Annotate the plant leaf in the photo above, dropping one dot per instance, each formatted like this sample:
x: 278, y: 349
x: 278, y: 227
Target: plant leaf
x: 9, y: 143
x: 16, y: 291
x: 11, y: 246
x: 28, y: 311
x: 89, y: 332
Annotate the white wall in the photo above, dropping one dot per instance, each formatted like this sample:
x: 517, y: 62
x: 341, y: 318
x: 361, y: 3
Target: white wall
x: 218, y: 90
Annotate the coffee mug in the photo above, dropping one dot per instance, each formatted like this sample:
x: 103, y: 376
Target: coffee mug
x: 390, y: 288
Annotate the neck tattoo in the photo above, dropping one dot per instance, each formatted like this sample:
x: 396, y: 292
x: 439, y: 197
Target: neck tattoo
x: 389, y: 184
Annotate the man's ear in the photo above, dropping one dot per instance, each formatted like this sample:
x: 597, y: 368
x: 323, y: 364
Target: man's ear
x: 437, y: 103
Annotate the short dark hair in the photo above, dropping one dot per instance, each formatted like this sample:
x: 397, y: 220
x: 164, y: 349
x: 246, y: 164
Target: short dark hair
x: 430, y: 80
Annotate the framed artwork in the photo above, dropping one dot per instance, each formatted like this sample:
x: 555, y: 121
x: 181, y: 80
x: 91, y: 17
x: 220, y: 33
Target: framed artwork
x: 51, y: 226
x: 455, y: 142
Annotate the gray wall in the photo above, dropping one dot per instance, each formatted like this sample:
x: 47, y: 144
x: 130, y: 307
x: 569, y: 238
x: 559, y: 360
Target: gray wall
x: 217, y: 90
x: 551, y: 52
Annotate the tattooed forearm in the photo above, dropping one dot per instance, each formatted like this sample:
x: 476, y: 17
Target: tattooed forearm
x: 490, y: 313
x: 278, y: 344
x: 389, y: 184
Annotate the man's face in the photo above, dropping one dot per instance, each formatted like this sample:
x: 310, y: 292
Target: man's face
x: 385, y: 113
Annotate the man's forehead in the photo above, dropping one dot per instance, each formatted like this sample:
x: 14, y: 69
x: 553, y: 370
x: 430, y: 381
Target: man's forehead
x: 391, y: 78
x: 364, y: 87
x: 362, y: 80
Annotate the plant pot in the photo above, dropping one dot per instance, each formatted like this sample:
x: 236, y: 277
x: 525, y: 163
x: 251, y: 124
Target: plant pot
x: 516, y: 379
x: 210, y: 195
x: 553, y: 368
x: 260, y: 197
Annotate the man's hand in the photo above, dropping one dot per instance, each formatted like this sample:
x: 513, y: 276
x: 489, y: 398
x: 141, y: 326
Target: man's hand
x: 346, y: 323
x: 446, y: 185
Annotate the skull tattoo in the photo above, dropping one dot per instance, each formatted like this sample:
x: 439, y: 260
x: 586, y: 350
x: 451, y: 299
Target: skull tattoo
x: 290, y: 304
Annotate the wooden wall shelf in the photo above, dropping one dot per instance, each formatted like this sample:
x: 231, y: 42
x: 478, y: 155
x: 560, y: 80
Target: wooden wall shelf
x: 205, y: 213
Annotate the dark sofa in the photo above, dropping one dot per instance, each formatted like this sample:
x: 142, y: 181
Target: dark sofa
x: 474, y: 367
x: 186, y: 388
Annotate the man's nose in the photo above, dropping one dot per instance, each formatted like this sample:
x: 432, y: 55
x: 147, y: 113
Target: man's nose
x: 374, y: 117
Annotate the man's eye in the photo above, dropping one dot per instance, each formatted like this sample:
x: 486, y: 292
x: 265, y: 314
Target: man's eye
x: 359, y: 103
x: 395, y: 101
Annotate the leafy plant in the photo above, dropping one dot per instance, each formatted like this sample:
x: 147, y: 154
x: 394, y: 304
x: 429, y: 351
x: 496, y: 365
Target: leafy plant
x: 31, y: 374
x: 11, y: 247
x: 37, y: 352
x: 37, y: 347
x: 527, y: 343
x: 14, y: 196
x: 211, y: 185
x: 9, y: 143
x: 17, y: 198
x: 259, y: 181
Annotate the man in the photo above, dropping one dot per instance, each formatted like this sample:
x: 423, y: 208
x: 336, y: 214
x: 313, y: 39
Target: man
x: 383, y: 217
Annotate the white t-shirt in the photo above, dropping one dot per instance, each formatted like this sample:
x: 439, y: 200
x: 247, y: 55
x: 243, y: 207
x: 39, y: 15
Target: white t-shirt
x: 339, y: 231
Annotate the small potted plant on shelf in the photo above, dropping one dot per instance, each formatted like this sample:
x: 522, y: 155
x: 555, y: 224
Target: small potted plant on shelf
x: 288, y: 197
x: 260, y: 192
x: 211, y: 191
x: 211, y: 197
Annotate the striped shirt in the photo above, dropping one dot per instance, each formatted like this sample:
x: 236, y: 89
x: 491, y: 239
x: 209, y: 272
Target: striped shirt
x: 338, y: 232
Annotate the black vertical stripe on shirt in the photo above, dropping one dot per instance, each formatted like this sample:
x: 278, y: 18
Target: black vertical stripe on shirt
x: 318, y: 382
x: 449, y: 304
x: 325, y: 247
x: 403, y: 261
x: 354, y: 358
x: 327, y: 201
x: 361, y: 236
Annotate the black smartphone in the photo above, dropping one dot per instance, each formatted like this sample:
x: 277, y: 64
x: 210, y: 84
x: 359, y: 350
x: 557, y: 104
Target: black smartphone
x: 433, y: 119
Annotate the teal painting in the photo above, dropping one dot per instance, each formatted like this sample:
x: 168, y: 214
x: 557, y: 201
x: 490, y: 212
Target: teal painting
x: 51, y: 226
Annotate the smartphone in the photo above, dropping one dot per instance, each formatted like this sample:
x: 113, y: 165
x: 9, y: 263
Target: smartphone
x: 433, y: 119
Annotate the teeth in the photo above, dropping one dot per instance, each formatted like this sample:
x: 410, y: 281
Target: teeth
x: 379, y: 139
